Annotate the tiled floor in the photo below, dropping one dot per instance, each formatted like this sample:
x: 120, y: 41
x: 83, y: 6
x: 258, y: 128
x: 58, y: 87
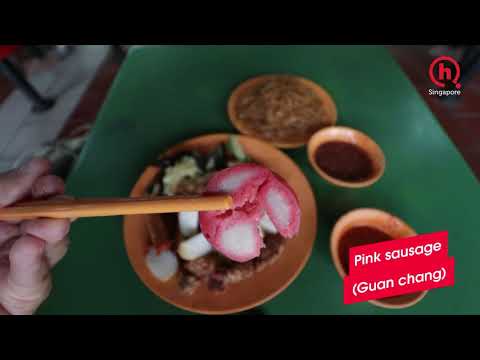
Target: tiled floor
x: 461, y: 119
x: 24, y: 132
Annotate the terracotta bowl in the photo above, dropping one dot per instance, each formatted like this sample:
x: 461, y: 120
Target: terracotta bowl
x: 265, y: 284
x: 243, y: 128
x: 350, y: 136
x: 386, y: 223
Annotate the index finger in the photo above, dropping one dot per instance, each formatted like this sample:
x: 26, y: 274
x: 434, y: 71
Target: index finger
x: 18, y: 183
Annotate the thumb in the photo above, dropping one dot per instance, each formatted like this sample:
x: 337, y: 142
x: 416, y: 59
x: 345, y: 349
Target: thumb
x: 18, y: 183
x: 28, y: 283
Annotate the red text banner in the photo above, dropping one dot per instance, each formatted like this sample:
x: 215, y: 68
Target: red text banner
x: 398, y: 267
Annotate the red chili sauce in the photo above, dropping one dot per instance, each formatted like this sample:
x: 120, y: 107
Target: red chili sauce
x: 344, y: 161
x: 365, y: 235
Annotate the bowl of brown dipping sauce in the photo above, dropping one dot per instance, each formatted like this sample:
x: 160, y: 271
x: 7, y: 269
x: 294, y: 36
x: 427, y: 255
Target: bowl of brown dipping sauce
x: 346, y: 157
x: 367, y: 226
x: 284, y: 110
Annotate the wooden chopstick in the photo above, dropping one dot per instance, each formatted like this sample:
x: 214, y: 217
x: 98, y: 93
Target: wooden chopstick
x: 79, y: 208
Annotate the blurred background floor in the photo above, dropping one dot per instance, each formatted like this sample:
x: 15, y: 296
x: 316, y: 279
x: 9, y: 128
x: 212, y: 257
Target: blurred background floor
x: 67, y: 80
x: 460, y: 118
x: 82, y: 81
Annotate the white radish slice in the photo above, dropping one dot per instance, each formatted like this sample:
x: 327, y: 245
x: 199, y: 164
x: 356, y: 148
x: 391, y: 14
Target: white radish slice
x: 163, y: 266
x: 281, y: 205
x: 194, y: 248
x: 267, y: 226
x: 188, y: 223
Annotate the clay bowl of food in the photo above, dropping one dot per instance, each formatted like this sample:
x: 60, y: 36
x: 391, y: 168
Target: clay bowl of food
x: 346, y: 157
x: 283, y: 110
x: 367, y: 226
x: 231, y: 261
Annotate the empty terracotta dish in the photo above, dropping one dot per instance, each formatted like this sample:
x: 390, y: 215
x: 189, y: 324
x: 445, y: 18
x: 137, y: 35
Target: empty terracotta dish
x: 368, y: 226
x: 346, y: 157
x: 283, y: 110
x: 173, y: 259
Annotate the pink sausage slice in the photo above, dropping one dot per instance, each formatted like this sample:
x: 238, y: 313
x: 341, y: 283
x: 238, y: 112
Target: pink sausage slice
x: 255, y: 190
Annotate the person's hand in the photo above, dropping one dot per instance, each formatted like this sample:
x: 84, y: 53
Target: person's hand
x: 29, y: 249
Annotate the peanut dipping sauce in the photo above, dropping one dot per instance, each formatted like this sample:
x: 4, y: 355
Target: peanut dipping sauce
x: 344, y: 161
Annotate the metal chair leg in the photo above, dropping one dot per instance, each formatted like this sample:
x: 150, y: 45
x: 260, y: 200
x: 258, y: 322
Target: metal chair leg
x: 16, y: 76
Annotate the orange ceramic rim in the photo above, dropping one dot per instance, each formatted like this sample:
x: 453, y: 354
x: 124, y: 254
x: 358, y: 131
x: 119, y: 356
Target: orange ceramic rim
x: 245, y: 129
x: 384, y: 222
x: 267, y: 283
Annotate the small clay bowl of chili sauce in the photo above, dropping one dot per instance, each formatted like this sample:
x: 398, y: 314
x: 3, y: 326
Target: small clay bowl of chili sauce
x: 346, y: 157
x: 367, y: 226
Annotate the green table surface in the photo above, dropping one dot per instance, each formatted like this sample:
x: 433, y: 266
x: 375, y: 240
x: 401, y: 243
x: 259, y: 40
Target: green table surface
x: 167, y: 94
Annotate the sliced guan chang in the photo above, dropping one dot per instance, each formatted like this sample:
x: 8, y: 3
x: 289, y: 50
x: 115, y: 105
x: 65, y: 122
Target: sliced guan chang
x: 258, y: 194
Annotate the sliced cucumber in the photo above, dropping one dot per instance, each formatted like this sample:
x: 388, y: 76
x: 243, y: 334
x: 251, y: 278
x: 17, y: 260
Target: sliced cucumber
x: 236, y: 149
